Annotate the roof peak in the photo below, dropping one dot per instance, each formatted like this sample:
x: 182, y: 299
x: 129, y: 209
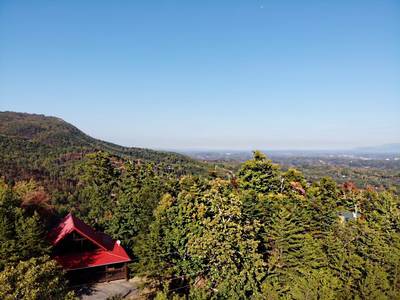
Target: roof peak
x: 110, y: 250
x: 72, y: 223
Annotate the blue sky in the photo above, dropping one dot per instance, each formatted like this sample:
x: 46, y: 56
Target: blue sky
x: 208, y: 74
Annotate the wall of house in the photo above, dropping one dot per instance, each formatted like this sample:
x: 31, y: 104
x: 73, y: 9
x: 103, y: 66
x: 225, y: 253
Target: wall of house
x: 98, y: 274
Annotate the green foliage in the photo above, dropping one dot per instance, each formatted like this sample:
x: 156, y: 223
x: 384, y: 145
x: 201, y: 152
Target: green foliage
x: 314, y: 284
x: 266, y: 233
x: 375, y: 285
x: 34, y: 279
x: 99, y: 180
x: 201, y: 236
x: 21, y: 236
x: 273, y: 237
x: 323, y: 206
x: 49, y: 150
x: 260, y: 175
x: 25, y: 273
x: 131, y: 215
x: 29, y: 235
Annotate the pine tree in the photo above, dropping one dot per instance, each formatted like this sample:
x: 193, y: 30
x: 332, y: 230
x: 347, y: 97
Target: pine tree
x: 21, y: 236
x: 322, y: 207
x: 283, y: 240
x: 99, y: 180
x: 375, y: 285
x: 30, y: 236
x: 260, y: 175
x: 314, y: 284
x: 8, y: 249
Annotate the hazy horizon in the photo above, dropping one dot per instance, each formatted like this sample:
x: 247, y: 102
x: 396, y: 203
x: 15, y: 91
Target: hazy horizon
x: 207, y: 148
x: 212, y: 75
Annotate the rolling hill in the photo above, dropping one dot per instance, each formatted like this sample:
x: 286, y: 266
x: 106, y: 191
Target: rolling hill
x: 33, y: 145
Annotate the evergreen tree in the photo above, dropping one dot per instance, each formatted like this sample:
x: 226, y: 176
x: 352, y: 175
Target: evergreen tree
x: 260, y: 175
x: 99, y: 180
x: 8, y: 247
x: 139, y: 192
x: 375, y: 285
x: 290, y: 250
x: 294, y: 183
x: 30, y: 236
x: 314, y: 284
x: 322, y: 207
x: 21, y: 236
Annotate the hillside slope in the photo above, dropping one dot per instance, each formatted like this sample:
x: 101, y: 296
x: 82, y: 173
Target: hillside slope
x: 32, y: 145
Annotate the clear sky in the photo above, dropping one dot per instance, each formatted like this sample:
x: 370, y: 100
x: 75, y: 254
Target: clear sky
x: 208, y: 74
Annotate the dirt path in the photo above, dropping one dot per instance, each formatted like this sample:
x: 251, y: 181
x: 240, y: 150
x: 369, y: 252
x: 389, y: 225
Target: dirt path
x: 100, y: 291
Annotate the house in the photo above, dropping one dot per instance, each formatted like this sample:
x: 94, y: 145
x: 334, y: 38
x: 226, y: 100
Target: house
x: 86, y: 254
x: 346, y: 216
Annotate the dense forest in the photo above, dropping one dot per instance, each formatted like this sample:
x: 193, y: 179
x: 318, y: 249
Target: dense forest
x: 193, y: 231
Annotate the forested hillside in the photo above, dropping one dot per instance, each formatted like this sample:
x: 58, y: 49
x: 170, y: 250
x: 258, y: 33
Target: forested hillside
x: 47, y: 149
x: 261, y: 232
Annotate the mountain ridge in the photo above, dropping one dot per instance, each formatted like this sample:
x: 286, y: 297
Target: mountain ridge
x: 55, y: 132
x: 34, y: 144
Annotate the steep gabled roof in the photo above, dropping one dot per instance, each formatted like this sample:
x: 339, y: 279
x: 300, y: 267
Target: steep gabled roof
x: 110, y: 251
x: 71, y: 223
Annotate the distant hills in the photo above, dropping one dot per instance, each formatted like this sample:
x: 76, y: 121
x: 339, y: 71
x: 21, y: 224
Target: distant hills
x: 33, y: 143
x: 56, y: 133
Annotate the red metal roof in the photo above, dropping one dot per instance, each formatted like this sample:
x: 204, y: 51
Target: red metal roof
x: 109, y: 252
